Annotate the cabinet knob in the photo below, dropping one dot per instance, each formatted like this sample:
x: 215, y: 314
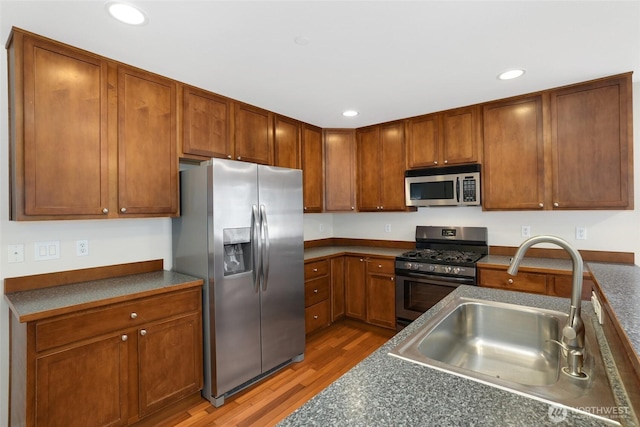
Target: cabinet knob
x: 393, y: 278
x: 143, y: 332
x: 305, y: 208
x: 123, y: 210
x: 315, y: 291
x: 541, y: 205
x: 361, y: 260
x: 315, y: 316
x: 105, y: 211
x: 315, y: 270
x: 555, y: 204
x: 446, y: 161
x: 435, y: 162
x: 229, y: 156
x: 239, y: 158
x: 134, y: 315
x: 379, y: 265
x: 124, y: 337
x: 353, y: 208
x: 510, y: 281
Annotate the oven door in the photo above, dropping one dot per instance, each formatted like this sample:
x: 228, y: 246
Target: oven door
x: 416, y: 294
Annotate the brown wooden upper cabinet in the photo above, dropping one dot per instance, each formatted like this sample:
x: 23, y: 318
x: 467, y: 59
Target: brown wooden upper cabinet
x: 447, y: 138
x: 287, y: 142
x: 253, y: 134
x: 206, y: 124
x: 340, y: 170
x: 312, y: 178
x: 90, y: 138
x: 381, y: 167
x: 566, y: 148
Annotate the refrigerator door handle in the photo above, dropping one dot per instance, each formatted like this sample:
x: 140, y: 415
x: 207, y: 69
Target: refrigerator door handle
x: 256, y: 247
x: 265, y: 247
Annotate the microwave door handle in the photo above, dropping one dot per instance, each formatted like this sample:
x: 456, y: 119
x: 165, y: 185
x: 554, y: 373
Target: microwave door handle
x: 458, y: 189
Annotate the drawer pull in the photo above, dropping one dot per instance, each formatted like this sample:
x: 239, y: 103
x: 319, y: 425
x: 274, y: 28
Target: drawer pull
x: 510, y: 281
x: 315, y: 291
x: 134, y: 315
x: 315, y: 317
x: 315, y: 270
x: 379, y: 265
x: 143, y: 332
x: 124, y: 338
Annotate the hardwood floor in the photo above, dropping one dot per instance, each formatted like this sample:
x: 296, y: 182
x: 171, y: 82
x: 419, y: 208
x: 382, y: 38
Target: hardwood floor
x: 329, y: 354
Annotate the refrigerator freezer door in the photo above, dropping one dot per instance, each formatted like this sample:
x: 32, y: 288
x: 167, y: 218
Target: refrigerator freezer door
x: 235, y: 323
x: 282, y: 296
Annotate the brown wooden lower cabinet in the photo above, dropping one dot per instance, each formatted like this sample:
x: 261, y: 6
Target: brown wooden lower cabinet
x: 79, y: 370
x: 317, y: 289
x: 532, y: 282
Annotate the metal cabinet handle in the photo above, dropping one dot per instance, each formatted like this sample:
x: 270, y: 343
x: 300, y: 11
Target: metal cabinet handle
x: 105, y: 211
x: 446, y: 161
x: 541, y: 205
x: 124, y: 337
x: 229, y: 156
x: 361, y: 260
x: 510, y: 281
x: 556, y: 204
x: 315, y: 317
x: 435, y: 162
x: 315, y: 291
x: 315, y: 270
x: 353, y: 208
x: 134, y: 315
x: 379, y: 265
x: 123, y: 210
x: 143, y: 332
x: 239, y: 157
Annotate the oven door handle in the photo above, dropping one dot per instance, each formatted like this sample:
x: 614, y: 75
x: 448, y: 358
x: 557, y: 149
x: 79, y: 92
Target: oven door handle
x: 458, y: 189
x: 453, y: 282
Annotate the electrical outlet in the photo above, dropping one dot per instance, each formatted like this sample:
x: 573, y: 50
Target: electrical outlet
x: 526, y: 231
x: 581, y: 233
x: 82, y: 247
x: 387, y: 228
x: 15, y: 253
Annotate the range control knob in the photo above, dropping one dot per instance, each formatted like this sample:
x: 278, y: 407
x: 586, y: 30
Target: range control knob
x: 432, y: 268
x: 456, y: 270
x: 447, y: 269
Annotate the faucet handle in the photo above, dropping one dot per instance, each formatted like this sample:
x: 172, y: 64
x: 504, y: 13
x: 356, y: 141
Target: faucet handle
x: 569, y: 333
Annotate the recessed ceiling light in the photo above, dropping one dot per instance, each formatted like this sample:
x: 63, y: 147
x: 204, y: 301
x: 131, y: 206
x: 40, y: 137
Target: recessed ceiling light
x: 301, y: 40
x: 127, y: 13
x: 350, y: 113
x: 511, y: 74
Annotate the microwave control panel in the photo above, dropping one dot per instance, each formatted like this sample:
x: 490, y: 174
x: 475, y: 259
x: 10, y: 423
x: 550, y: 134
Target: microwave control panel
x: 469, y: 189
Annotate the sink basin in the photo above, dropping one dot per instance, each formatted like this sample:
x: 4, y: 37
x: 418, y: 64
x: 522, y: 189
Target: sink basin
x: 507, y: 346
x: 503, y: 342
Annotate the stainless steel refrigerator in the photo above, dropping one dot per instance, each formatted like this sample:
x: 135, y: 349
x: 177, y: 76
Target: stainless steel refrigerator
x: 241, y: 230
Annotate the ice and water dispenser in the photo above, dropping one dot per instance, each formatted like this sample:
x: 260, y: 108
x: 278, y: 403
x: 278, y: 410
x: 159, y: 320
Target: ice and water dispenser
x: 237, y: 250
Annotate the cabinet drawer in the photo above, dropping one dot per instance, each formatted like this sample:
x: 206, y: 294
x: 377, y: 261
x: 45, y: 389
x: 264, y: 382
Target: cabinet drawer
x: 316, y: 290
x: 317, y: 316
x: 381, y: 265
x: 114, y: 318
x: 316, y: 269
x: 526, y: 282
x: 562, y: 286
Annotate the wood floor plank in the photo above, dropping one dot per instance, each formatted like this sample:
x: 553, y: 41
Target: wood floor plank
x: 329, y: 353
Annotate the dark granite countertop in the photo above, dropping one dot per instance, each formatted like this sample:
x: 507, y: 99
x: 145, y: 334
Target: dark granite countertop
x: 328, y: 251
x: 42, y: 303
x: 386, y: 391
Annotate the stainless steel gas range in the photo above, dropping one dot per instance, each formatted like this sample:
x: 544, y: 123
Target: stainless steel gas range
x: 444, y: 258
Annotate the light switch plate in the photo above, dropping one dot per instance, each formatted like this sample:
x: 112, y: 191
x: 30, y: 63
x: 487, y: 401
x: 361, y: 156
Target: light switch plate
x: 43, y: 251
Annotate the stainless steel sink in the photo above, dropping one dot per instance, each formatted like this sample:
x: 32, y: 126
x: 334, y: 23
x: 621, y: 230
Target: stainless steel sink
x: 508, y: 346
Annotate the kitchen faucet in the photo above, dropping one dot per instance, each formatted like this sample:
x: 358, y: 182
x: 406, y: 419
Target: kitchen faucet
x: 573, y: 331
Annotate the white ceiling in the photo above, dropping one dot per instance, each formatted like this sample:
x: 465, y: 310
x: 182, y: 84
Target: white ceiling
x: 386, y: 59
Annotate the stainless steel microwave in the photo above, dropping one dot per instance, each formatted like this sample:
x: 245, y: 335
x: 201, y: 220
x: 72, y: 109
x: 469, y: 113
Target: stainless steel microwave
x: 445, y: 186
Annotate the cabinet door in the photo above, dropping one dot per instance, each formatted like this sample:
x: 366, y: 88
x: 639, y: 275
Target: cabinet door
x: 65, y: 147
x: 513, y: 169
x: 460, y: 129
x: 354, y: 287
x: 423, y: 141
x: 206, y: 124
x: 287, y: 143
x: 337, y: 288
x: 147, y: 152
x: 368, y: 152
x: 84, y: 385
x: 312, y: 168
x: 340, y: 170
x: 381, y: 297
x: 170, y: 360
x: 392, y: 167
x: 253, y: 134
x: 590, y: 140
